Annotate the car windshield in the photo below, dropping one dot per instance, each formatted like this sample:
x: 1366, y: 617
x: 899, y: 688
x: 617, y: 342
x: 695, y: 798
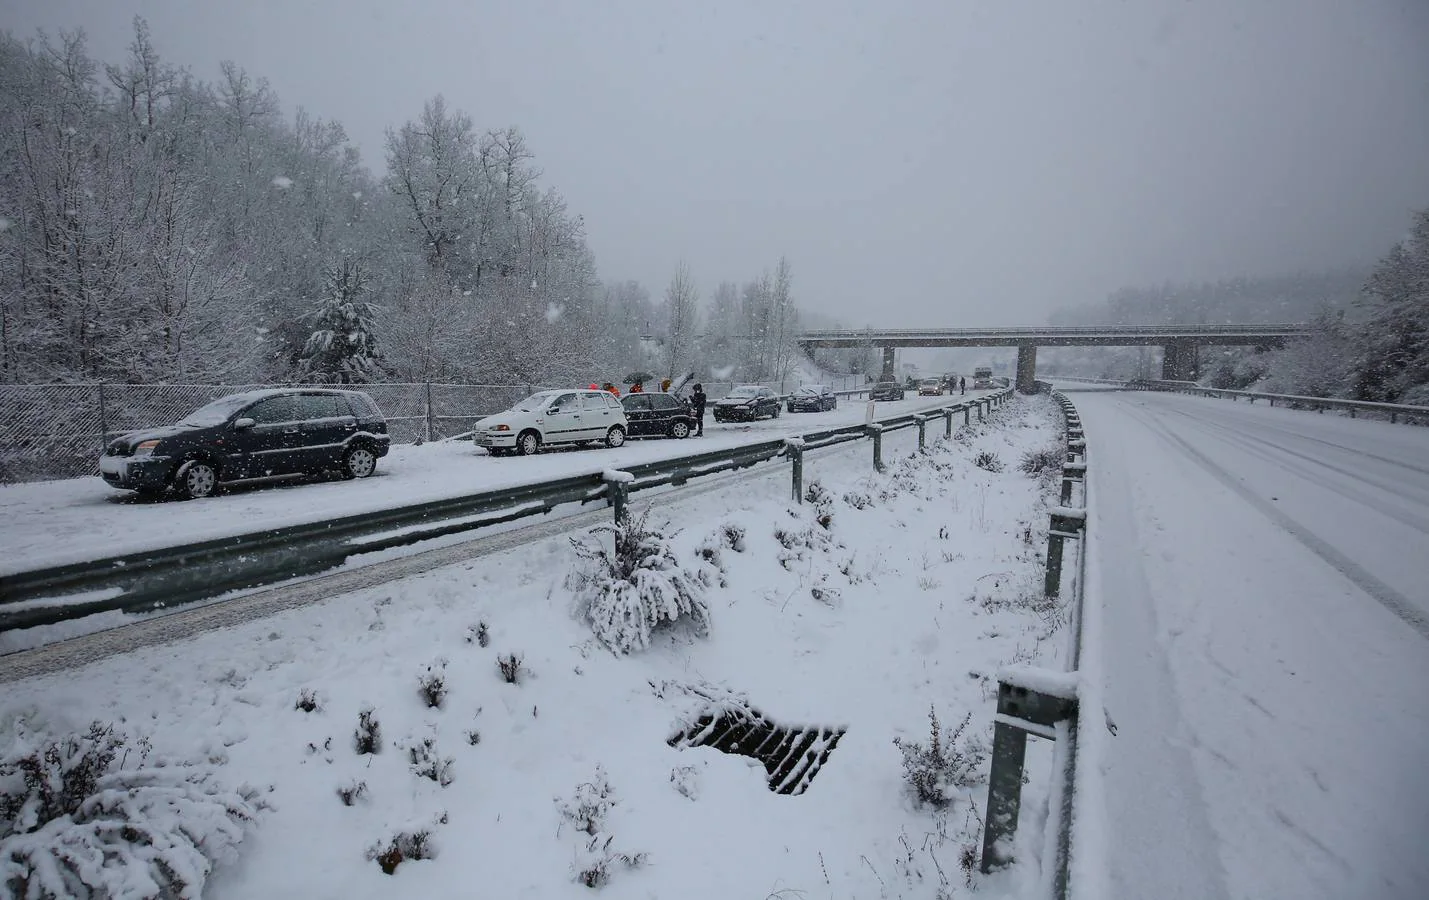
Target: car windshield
x: 217, y: 412
x: 810, y: 391
x: 744, y: 392
x: 535, y: 402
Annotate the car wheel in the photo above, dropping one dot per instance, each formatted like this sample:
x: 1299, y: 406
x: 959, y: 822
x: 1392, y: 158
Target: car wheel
x: 679, y: 430
x: 528, y: 443
x: 196, y: 480
x: 358, y: 462
x: 615, y: 437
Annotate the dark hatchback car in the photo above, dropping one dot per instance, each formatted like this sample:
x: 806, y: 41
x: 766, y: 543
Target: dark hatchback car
x: 887, y: 390
x: 812, y: 398
x: 747, y: 403
x: 284, y: 431
x: 655, y: 414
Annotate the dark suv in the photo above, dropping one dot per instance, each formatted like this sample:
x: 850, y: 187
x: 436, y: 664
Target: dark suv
x: 747, y: 403
x: 285, y: 431
x: 655, y: 414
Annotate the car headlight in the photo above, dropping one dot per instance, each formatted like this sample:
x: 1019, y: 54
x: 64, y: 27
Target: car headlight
x: 501, y: 428
x: 145, y: 448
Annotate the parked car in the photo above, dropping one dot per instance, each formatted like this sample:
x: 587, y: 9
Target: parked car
x: 982, y: 378
x: 812, y: 398
x: 553, y: 418
x: 886, y: 389
x: 747, y: 403
x: 658, y: 414
x: 930, y: 387
x: 256, y: 434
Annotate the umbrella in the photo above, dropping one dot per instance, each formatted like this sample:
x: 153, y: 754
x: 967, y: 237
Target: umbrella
x: 637, y: 377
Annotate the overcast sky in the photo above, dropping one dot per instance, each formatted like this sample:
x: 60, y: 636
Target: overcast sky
x: 920, y: 162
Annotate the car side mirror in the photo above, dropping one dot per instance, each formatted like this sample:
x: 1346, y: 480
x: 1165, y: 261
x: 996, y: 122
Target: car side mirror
x: 243, y: 423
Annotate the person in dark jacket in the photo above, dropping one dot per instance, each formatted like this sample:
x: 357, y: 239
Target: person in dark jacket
x: 962, y: 385
x: 697, y: 401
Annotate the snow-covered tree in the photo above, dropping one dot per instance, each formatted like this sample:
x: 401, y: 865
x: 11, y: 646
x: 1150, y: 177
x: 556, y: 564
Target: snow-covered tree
x: 1392, y: 350
x: 343, y: 346
x: 681, y: 321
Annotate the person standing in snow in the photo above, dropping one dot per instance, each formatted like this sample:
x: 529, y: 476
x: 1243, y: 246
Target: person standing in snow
x: 638, y: 387
x: 697, y: 402
x: 962, y: 385
x: 665, y: 385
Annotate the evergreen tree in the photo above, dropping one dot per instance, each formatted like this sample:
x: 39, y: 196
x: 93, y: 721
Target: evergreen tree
x: 342, y: 347
x: 1392, y: 351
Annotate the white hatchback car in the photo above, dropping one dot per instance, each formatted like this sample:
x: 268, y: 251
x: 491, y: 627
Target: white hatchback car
x: 553, y: 418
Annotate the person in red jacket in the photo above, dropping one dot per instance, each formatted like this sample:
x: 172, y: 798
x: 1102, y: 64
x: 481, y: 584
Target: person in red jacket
x: 638, y: 387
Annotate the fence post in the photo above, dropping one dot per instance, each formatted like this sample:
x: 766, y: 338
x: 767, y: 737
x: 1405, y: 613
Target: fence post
x: 617, y: 487
x: 876, y: 432
x: 967, y: 415
x: 430, y: 418
x: 103, y: 421
x: 795, y: 448
x: 922, y: 431
x: 948, y: 431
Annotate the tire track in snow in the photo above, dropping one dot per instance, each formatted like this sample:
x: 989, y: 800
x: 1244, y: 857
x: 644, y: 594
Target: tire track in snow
x: 1387, y: 596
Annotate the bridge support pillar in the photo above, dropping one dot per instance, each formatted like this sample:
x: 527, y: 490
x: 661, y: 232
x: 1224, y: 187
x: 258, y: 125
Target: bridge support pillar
x: 1180, y: 361
x: 1027, y: 368
x: 888, y: 360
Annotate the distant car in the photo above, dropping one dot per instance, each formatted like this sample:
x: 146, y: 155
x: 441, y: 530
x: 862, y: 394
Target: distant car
x: 982, y: 378
x: 747, y: 403
x: 886, y: 390
x: 656, y: 414
x: 257, y: 434
x: 930, y: 387
x: 552, y: 418
x: 812, y: 398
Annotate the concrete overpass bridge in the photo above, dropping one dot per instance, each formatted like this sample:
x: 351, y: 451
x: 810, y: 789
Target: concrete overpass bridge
x: 1180, y: 343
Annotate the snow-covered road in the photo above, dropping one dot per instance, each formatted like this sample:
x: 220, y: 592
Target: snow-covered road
x: 57, y: 522
x: 1262, y: 581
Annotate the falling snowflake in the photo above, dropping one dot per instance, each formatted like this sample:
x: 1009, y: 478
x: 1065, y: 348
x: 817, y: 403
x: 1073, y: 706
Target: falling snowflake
x: 723, y: 372
x: 6, y: 224
x: 553, y: 312
x: 282, y: 182
x: 357, y: 195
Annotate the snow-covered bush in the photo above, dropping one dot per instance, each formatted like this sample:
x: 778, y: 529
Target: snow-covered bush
x: 988, y: 460
x: 587, y: 811
x: 84, y: 816
x: 368, y: 737
x: 951, y: 760
x: 427, y: 762
x: 1035, y: 462
x: 402, y: 846
x: 478, y: 634
x: 351, y: 792
x: 823, y: 503
x: 628, y: 592
x: 432, y: 684
x: 512, y: 668
x: 308, y: 701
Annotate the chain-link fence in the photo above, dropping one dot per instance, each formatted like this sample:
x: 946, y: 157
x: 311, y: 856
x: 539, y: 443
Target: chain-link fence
x: 59, y: 430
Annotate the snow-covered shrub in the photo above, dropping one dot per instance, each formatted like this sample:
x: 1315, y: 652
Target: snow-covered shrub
x: 628, y: 592
x: 598, y: 859
x: 427, y: 762
x: 858, y: 499
x: 587, y: 811
x: 308, y: 701
x: 512, y: 668
x: 951, y: 760
x: 351, y: 792
x: 84, y: 816
x: 478, y: 634
x: 432, y: 684
x: 733, y: 536
x: 686, y: 780
x: 368, y: 737
x: 1035, y: 462
x: 988, y: 460
x: 796, y: 542
x: 823, y: 503
x: 403, y: 845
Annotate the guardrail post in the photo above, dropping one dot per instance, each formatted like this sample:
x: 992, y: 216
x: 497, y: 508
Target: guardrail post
x: 1021, y: 711
x: 922, y: 431
x: 1066, y: 523
x: 876, y: 433
x: 794, y: 447
x: 967, y: 415
x: 1071, y: 472
x: 948, y: 430
x: 617, y: 487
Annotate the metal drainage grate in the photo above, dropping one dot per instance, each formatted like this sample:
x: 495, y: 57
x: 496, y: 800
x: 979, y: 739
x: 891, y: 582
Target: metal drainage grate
x: 791, y: 756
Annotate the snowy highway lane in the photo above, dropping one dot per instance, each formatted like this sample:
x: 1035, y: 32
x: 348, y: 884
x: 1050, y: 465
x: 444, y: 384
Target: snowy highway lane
x: 1260, y: 575
x: 57, y: 522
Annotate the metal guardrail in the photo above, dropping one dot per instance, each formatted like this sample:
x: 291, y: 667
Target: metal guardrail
x: 1040, y: 703
x: 1410, y: 412
x: 155, y: 579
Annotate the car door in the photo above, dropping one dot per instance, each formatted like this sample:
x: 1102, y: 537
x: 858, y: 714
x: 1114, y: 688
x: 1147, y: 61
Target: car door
x: 269, y: 447
x: 597, y: 415
x: 327, y: 423
x: 768, y: 402
x: 562, y: 420
x: 664, y: 410
x: 638, y: 414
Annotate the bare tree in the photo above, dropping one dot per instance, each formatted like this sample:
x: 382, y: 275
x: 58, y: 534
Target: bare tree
x: 681, y: 314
